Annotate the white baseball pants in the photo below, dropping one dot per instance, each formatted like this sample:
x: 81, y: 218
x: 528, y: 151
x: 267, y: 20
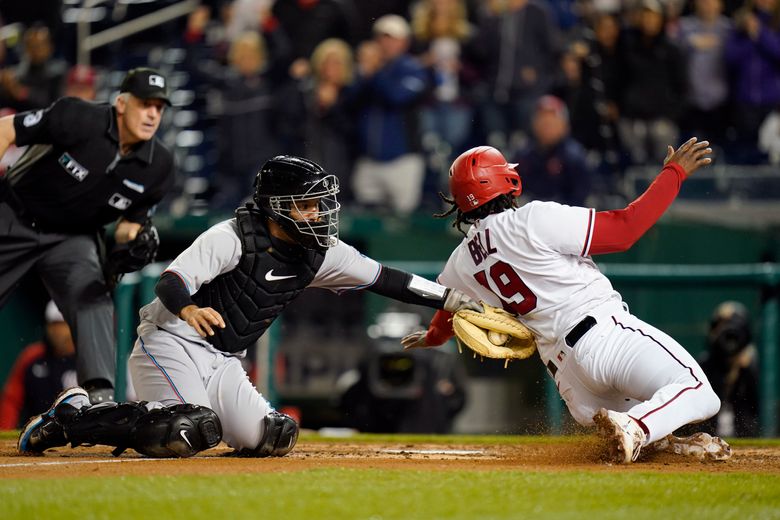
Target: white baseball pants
x: 626, y: 365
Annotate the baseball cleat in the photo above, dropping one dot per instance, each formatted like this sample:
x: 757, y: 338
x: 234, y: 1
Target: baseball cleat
x: 623, y: 434
x: 701, y: 446
x: 44, y: 431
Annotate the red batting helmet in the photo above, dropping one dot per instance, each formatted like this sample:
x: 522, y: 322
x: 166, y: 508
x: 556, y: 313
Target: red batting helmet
x: 480, y: 175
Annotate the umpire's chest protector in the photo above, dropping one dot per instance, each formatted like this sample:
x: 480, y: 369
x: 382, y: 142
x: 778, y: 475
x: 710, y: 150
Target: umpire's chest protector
x: 265, y: 281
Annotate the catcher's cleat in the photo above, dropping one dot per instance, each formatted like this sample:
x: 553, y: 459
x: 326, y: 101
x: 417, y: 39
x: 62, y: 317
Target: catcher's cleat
x: 623, y: 434
x: 701, y: 446
x: 45, y: 431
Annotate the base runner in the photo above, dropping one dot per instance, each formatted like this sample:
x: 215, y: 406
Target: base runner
x: 635, y: 383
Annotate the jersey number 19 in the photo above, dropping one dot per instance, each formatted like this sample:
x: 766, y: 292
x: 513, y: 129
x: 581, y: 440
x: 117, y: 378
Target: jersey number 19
x: 509, y: 284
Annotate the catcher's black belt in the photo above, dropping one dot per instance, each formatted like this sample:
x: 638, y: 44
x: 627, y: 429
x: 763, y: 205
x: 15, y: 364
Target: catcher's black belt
x: 579, y: 330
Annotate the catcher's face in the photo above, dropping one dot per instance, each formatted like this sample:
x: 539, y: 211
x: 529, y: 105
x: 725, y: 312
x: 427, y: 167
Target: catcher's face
x: 307, y: 210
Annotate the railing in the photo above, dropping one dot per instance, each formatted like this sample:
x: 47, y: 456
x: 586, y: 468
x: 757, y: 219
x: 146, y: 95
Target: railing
x: 89, y: 42
x: 724, y: 194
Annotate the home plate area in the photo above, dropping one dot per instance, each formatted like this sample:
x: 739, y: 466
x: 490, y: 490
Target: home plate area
x: 542, y: 454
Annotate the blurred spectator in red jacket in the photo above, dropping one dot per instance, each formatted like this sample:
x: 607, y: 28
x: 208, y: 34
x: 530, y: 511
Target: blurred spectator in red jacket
x: 81, y: 82
x: 40, y: 373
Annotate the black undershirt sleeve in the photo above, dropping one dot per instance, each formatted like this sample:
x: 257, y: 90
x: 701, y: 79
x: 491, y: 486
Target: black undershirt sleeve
x: 394, y: 283
x: 173, y: 293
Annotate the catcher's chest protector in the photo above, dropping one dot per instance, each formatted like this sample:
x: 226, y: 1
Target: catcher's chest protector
x: 254, y: 293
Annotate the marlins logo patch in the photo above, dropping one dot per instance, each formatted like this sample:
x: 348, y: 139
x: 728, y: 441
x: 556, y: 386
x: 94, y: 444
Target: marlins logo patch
x: 32, y: 119
x: 70, y: 165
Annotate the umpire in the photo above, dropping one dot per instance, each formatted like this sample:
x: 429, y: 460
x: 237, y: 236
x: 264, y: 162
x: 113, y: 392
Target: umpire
x: 87, y: 165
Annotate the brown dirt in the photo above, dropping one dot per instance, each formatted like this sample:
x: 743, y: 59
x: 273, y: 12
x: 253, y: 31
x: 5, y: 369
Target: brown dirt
x: 98, y: 461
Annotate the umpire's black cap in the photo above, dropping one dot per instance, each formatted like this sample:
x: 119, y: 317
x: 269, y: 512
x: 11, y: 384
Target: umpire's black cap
x: 146, y: 83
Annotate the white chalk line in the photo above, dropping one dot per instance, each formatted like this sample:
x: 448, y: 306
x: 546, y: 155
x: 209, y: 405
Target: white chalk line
x: 71, y: 462
x: 436, y: 452
x: 118, y: 460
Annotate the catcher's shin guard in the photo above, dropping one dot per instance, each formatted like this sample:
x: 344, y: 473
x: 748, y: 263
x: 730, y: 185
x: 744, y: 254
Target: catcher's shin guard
x: 176, y: 431
x: 280, y: 433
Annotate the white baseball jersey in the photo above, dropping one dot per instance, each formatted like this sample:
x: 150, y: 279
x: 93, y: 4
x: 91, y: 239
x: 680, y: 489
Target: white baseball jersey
x: 218, y: 250
x: 535, y: 258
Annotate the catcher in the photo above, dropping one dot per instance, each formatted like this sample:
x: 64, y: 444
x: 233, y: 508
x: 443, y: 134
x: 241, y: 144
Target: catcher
x: 635, y: 383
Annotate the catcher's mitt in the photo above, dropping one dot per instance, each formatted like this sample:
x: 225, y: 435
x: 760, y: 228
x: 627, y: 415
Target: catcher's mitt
x: 134, y: 255
x: 494, y: 334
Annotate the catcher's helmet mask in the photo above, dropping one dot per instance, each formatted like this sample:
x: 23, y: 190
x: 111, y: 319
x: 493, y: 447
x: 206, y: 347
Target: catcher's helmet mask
x: 283, y: 187
x: 481, y: 174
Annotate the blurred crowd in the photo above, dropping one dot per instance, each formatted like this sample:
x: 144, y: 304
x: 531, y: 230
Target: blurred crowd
x: 386, y: 94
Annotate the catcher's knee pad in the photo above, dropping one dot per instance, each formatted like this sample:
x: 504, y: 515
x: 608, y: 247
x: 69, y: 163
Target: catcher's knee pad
x: 177, y: 431
x: 280, y: 433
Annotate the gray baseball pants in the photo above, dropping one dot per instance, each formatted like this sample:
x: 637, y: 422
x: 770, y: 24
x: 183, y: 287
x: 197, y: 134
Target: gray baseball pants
x: 71, y: 270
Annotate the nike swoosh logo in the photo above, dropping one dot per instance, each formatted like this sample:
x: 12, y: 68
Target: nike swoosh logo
x: 271, y: 277
x: 184, y: 436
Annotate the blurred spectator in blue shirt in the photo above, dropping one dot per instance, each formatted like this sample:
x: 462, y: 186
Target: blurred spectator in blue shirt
x: 702, y: 37
x: 390, y: 170
x: 553, y: 165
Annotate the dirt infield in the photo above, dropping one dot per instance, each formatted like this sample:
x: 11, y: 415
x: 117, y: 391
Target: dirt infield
x: 98, y: 461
